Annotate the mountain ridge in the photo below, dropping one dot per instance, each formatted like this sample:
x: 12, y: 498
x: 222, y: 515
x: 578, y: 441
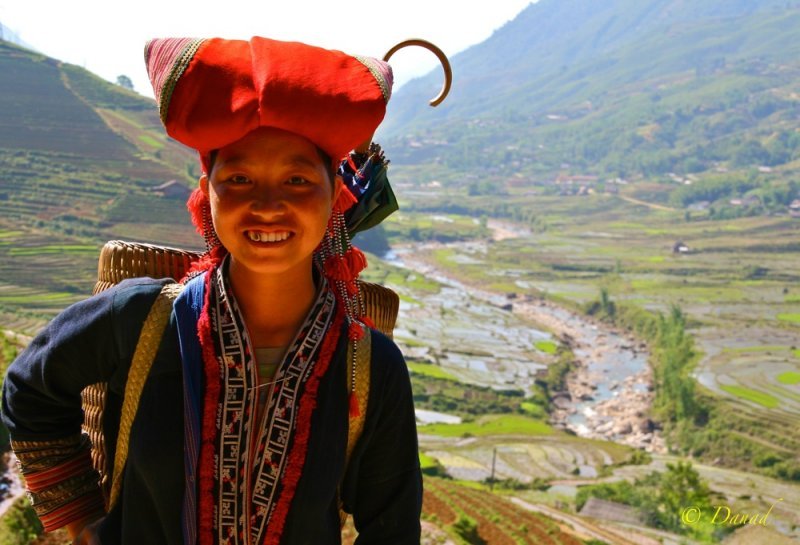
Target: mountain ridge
x: 707, y: 92
x: 8, y: 35
x: 536, y: 42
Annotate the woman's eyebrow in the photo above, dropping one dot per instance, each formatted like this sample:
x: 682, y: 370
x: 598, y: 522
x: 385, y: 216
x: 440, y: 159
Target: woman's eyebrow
x: 234, y: 161
x: 296, y: 160
x: 300, y: 160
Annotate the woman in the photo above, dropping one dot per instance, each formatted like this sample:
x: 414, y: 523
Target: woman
x: 241, y: 429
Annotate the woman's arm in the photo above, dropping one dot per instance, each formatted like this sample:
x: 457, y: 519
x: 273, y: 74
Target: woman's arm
x: 386, y: 482
x: 84, y: 345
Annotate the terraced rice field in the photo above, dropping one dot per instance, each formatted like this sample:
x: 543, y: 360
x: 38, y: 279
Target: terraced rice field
x: 741, y: 492
x: 752, y: 373
x: 737, y: 286
x: 43, y: 273
x: 493, y: 424
x: 560, y: 456
x: 23, y: 323
x: 167, y: 234
x: 45, y: 269
x: 477, y: 342
x: 76, y: 159
x: 133, y: 208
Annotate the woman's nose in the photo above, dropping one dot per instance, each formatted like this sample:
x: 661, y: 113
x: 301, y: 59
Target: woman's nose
x: 268, y: 200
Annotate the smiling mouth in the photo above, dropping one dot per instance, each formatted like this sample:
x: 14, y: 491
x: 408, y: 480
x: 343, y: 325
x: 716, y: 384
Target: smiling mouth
x: 261, y: 236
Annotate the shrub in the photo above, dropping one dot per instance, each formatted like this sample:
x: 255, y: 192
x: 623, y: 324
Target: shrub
x: 19, y: 525
x: 467, y: 529
x: 767, y: 459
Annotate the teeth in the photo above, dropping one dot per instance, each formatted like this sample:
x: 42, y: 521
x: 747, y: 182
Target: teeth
x: 258, y: 236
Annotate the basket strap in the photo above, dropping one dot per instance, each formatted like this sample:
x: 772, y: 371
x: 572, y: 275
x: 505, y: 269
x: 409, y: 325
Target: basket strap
x: 362, y: 360
x: 143, y: 357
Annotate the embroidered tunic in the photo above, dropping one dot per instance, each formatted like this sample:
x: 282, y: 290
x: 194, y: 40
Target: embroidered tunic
x: 162, y: 499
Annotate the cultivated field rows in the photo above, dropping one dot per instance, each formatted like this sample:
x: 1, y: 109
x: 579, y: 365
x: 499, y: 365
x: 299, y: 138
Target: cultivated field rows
x: 560, y: 456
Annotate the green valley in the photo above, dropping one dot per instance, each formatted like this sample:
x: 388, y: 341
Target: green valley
x: 596, y: 256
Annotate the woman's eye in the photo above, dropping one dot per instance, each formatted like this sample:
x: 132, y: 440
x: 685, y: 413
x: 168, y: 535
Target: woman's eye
x: 298, y: 180
x: 239, y: 179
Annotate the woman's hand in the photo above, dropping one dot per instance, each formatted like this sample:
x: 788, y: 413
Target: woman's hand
x: 84, y: 533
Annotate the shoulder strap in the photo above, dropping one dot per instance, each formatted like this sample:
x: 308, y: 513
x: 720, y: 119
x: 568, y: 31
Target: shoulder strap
x: 359, y: 357
x: 361, y: 360
x: 146, y: 348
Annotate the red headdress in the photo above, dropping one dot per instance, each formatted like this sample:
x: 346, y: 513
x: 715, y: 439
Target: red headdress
x: 212, y: 92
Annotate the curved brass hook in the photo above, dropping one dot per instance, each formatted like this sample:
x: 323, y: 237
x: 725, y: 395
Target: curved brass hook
x: 448, y: 72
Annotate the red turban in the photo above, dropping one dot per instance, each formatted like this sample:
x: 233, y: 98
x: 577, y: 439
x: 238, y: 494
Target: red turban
x: 212, y: 92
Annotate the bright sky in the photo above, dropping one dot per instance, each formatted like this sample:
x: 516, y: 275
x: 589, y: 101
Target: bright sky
x: 108, y: 37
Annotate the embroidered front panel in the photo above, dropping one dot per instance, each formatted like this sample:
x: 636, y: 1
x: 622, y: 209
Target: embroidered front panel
x: 252, y: 458
x: 280, y: 417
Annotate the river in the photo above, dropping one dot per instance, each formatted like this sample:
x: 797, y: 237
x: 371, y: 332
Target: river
x: 488, y: 338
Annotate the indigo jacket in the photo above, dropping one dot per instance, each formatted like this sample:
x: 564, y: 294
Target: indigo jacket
x: 94, y: 340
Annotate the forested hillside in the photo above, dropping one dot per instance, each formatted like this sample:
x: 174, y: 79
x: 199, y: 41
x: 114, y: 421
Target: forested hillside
x: 654, y: 90
x: 625, y: 140
x: 79, y: 161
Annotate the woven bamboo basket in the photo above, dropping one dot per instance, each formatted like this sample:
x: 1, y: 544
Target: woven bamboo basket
x: 120, y: 260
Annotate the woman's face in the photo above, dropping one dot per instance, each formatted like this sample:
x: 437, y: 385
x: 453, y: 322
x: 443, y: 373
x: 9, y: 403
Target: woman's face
x: 271, y: 196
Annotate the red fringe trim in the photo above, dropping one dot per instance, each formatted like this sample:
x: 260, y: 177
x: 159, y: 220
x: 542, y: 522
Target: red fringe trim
x: 345, y: 200
x: 208, y: 433
x: 354, y: 410
x: 355, y: 332
x: 337, y: 269
x: 195, y: 204
x: 356, y: 260
x: 206, y: 262
x: 367, y: 321
x: 297, y: 455
x: 347, y: 266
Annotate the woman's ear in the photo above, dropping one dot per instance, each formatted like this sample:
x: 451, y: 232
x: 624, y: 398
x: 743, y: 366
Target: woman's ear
x: 203, y: 184
x: 338, y: 186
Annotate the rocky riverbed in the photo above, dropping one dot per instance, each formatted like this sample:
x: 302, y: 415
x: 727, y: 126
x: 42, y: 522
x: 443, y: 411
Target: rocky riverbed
x: 609, y: 392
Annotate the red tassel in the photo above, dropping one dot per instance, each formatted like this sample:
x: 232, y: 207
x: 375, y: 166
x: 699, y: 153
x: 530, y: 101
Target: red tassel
x: 338, y: 269
x: 356, y: 260
x: 354, y: 410
x: 355, y: 332
x: 345, y: 200
x: 368, y: 321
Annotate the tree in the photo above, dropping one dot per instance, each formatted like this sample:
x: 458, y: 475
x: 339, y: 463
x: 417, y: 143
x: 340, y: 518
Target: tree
x: 124, y: 81
x: 681, y: 487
